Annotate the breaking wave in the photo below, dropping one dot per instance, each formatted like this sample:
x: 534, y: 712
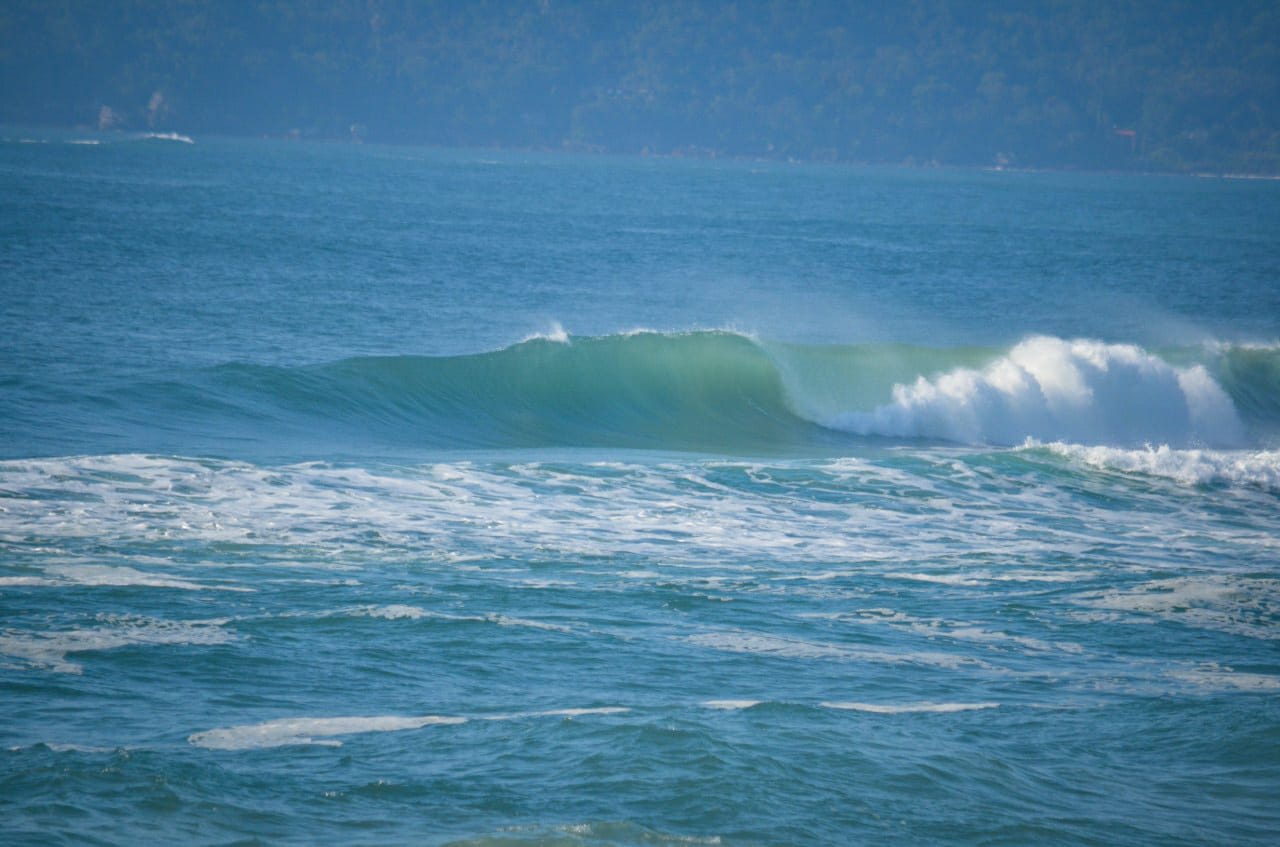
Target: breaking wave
x: 717, y: 391
x: 1078, y: 391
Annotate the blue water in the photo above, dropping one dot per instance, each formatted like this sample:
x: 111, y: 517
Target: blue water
x: 400, y: 496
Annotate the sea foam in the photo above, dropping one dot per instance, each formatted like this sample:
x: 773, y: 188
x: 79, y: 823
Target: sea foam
x: 110, y: 576
x: 1050, y: 389
x: 294, y: 731
x: 908, y: 708
x: 49, y: 649
x: 1258, y: 468
x: 287, y: 732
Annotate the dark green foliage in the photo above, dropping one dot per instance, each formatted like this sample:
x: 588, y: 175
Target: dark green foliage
x: 1067, y: 83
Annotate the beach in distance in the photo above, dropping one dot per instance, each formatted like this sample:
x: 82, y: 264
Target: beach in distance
x: 374, y: 494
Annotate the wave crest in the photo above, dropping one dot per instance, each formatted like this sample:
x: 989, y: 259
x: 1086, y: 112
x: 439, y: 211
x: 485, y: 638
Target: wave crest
x: 1050, y: 389
x: 713, y: 391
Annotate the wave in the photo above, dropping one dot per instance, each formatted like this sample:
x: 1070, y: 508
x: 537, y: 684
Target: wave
x: 1256, y: 469
x: 707, y: 390
x: 714, y: 391
x: 1079, y: 391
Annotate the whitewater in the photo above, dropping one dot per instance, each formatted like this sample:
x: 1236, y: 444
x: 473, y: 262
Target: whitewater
x: 353, y: 494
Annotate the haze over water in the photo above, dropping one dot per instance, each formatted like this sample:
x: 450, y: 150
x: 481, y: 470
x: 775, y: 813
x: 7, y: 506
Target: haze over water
x: 356, y: 494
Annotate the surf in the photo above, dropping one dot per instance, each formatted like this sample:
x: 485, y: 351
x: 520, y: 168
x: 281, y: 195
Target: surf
x: 1050, y: 389
x: 707, y: 391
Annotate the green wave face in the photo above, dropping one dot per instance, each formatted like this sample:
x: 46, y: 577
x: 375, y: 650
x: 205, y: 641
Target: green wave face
x: 711, y: 391
x: 1251, y: 375
x: 723, y: 392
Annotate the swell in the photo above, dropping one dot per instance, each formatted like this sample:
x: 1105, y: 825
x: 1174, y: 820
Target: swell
x: 695, y: 391
x: 705, y: 391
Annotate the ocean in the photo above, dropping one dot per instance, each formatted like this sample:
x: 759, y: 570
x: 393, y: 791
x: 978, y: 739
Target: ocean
x: 354, y: 494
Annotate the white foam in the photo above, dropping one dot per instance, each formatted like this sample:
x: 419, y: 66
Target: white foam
x: 639, y: 510
x: 1259, y: 468
x: 49, y: 649
x: 555, y: 334
x: 940, y: 628
x: 637, y: 513
x: 398, y: 611
x: 303, y: 731
x: 575, y: 713
x: 979, y: 577
x: 107, y: 575
x: 958, y: 579
x: 1081, y: 391
x: 737, y: 641
x: 295, y: 731
x: 979, y: 634
x: 1236, y: 604
x: 907, y: 708
x: 394, y: 612
x: 1218, y: 678
x: 730, y: 705
x: 565, y: 713
x: 168, y: 136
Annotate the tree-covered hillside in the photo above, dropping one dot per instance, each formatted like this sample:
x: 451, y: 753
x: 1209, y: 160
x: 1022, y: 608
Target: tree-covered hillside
x: 1176, y: 85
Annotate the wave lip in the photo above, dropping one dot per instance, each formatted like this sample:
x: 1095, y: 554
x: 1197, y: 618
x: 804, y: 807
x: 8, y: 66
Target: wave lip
x: 1050, y: 389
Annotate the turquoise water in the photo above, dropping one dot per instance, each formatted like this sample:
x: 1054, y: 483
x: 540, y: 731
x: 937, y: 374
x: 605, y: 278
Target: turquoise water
x: 397, y: 496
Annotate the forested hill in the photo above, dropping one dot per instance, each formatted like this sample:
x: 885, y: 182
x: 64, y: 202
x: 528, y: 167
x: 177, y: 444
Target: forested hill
x: 1069, y: 83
